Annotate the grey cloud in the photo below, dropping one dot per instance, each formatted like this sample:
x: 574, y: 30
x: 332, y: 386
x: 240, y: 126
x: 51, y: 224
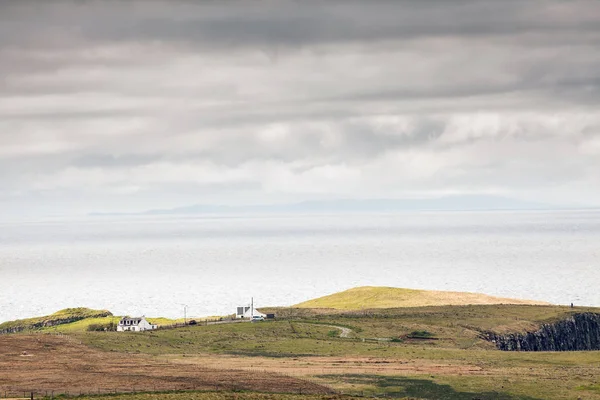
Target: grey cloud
x: 290, y: 23
x: 126, y: 100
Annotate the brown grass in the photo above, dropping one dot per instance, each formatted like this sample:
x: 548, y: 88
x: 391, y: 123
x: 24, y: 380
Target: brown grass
x: 47, y: 362
x: 369, y: 297
x: 312, y: 366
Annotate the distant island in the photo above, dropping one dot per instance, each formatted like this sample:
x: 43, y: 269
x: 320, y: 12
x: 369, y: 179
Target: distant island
x: 447, y: 203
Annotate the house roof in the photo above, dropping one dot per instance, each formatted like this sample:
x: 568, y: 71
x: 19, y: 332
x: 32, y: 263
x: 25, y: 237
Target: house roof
x: 132, y: 321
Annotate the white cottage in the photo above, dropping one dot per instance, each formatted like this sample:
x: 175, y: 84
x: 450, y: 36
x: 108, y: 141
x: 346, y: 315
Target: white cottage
x: 135, y: 325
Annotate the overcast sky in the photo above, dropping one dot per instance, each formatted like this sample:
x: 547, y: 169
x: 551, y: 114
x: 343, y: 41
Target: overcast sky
x: 121, y: 106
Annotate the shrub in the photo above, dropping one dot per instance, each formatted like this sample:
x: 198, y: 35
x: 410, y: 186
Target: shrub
x: 421, y: 335
x: 110, y: 326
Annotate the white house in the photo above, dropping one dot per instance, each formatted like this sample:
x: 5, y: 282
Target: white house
x: 247, y: 312
x: 135, y: 325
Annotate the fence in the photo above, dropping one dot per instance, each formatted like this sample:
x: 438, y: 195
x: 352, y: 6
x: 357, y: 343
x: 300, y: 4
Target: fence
x: 199, y: 323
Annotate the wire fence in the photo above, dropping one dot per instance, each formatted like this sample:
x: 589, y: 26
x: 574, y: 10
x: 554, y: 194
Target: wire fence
x: 193, y: 322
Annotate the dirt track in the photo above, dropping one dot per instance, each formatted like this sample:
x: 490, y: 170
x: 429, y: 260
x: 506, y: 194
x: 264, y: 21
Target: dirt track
x: 344, y: 332
x: 46, y: 362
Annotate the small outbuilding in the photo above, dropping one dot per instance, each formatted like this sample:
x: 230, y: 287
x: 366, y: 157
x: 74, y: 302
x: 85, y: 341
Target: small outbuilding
x: 247, y: 312
x: 138, y: 324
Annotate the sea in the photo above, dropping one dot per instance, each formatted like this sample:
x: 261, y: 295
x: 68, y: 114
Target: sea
x: 165, y: 265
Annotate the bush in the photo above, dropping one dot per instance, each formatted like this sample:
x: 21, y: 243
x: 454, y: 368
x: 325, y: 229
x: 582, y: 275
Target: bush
x: 421, y: 335
x: 110, y: 326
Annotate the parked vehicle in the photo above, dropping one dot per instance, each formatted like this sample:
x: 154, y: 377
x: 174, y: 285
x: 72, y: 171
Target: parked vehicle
x: 257, y: 318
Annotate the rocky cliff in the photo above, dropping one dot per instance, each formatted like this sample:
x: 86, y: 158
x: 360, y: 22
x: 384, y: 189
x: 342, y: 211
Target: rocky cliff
x: 577, y: 332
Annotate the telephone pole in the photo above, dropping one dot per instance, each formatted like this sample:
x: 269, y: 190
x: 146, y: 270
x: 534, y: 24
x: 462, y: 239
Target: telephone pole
x: 185, y: 307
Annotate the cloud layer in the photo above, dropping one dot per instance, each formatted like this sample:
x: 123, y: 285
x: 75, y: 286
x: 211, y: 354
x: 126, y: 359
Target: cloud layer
x: 143, y: 104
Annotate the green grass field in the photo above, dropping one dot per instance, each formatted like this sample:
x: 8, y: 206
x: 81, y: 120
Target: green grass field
x: 277, y: 339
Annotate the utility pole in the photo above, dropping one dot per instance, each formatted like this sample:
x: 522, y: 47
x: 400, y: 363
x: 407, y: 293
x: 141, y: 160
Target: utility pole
x: 252, y: 308
x: 185, y: 307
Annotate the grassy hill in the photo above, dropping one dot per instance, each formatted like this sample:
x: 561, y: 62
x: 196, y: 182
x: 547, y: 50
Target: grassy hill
x: 66, y: 316
x: 369, y: 297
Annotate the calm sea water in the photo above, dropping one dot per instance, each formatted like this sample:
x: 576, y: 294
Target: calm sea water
x: 155, y: 265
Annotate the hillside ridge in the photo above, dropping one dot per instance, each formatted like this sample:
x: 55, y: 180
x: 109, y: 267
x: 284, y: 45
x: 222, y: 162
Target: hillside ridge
x: 66, y: 316
x: 365, y: 297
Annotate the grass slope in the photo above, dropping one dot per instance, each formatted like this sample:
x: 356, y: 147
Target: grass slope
x: 452, y: 361
x: 277, y: 339
x: 368, y: 297
x: 451, y: 328
x: 66, y: 316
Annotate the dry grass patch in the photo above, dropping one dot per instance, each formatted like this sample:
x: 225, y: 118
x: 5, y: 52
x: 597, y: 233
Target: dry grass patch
x: 48, y: 362
x: 368, y: 297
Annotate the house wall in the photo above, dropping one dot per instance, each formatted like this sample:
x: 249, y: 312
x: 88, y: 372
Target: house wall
x: 242, y: 312
x: 145, y: 326
x: 248, y: 314
x: 127, y: 328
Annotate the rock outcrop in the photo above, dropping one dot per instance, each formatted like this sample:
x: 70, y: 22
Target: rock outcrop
x: 577, y: 332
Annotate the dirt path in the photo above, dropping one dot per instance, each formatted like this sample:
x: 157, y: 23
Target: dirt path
x: 344, y: 332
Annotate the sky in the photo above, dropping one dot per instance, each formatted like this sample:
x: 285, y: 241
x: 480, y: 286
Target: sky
x: 119, y: 106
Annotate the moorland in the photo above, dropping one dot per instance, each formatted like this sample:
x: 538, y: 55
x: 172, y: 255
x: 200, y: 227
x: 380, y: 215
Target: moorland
x: 318, y: 351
